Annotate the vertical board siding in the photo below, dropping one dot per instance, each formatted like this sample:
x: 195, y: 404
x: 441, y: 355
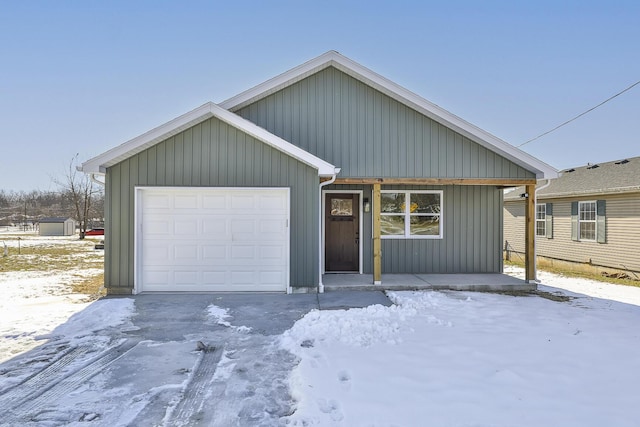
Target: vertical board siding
x: 471, y: 240
x: 211, y: 154
x: 368, y: 134
x: 623, y: 233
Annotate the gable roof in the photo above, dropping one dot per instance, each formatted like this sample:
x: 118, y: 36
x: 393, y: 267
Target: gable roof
x: 100, y: 163
x: 54, y: 220
x: 620, y: 176
x: 400, y: 94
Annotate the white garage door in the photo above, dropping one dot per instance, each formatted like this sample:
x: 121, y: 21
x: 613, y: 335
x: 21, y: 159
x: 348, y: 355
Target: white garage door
x: 213, y: 239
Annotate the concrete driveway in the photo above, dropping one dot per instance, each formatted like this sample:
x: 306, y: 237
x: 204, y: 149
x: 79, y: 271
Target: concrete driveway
x: 183, y: 360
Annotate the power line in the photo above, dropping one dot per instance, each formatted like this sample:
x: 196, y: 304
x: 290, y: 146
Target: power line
x: 581, y: 114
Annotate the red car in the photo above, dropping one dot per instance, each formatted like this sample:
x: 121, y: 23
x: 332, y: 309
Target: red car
x: 95, y: 232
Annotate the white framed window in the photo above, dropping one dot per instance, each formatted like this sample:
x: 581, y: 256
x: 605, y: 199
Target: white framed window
x: 587, y: 224
x: 541, y: 219
x: 411, y: 214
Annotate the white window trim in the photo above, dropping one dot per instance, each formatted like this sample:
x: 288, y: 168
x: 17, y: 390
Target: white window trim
x: 543, y: 220
x: 407, y: 233
x: 594, y: 221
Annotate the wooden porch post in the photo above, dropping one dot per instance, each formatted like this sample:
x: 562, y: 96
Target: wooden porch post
x: 377, y: 247
x: 530, y: 234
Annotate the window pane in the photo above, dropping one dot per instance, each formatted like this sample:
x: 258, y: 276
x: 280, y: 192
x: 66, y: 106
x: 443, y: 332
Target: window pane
x: 425, y: 225
x: 392, y: 202
x: 541, y: 211
x: 425, y: 203
x: 341, y: 207
x: 392, y: 225
x: 541, y: 228
x: 587, y: 211
x: 588, y: 231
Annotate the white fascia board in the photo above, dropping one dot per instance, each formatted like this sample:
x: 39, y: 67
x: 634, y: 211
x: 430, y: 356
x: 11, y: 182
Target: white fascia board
x: 100, y: 163
x: 400, y: 94
x: 324, y: 168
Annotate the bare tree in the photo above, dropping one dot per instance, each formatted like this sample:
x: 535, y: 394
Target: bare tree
x: 79, y: 190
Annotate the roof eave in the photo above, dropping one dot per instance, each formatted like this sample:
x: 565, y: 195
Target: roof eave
x: 99, y: 164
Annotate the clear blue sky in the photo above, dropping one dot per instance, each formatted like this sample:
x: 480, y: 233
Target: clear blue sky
x: 85, y: 76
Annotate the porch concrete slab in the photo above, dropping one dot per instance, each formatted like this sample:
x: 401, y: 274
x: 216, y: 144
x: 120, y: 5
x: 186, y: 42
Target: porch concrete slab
x: 401, y: 282
x: 352, y: 299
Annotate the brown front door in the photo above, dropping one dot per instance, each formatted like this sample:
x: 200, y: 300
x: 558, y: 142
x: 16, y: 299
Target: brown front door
x: 342, y: 237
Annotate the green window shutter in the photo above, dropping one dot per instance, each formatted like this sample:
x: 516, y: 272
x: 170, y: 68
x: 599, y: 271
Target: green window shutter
x: 549, y: 220
x: 601, y: 221
x: 574, y: 220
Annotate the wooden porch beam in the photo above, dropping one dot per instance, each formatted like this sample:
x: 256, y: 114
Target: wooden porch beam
x: 377, y: 244
x: 530, y: 234
x: 439, y: 181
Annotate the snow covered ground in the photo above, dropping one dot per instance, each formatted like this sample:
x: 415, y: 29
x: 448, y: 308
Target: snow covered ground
x: 469, y: 359
x: 35, y: 302
x: 449, y: 359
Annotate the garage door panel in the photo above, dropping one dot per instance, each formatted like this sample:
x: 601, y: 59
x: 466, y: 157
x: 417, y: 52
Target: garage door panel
x: 272, y: 203
x: 243, y: 203
x: 186, y: 252
x: 156, y: 254
x: 271, y: 252
x: 185, y: 202
x: 214, y: 252
x: 212, y: 277
x: 243, y: 252
x: 215, y: 203
x: 271, y: 277
x: 154, y: 277
x: 276, y: 226
x: 157, y: 201
x: 214, y: 227
x: 158, y: 226
x: 214, y: 240
x: 186, y: 227
x: 243, y: 277
x: 185, y: 277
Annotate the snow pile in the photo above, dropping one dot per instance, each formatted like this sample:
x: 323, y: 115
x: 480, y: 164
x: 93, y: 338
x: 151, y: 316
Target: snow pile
x: 468, y: 359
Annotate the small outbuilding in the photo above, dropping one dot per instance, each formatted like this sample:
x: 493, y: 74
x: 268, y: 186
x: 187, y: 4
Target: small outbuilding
x: 57, y: 226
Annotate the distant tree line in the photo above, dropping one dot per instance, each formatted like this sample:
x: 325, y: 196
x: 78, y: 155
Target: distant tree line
x: 27, y: 208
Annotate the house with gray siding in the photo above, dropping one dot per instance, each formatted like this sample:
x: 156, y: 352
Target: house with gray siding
x: 328, y: 168
x: 588, y: 217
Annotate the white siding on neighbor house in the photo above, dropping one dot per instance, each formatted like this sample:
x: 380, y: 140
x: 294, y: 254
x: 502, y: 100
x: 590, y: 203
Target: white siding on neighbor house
x: 622, y: 247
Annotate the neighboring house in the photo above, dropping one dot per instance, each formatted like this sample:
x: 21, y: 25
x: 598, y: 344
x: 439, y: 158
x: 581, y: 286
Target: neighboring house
x: 590, y: 215
x: 327, y: 168
x: 57, y: 226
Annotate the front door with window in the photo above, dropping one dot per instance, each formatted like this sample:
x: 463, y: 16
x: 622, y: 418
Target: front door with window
x: 342, y: 227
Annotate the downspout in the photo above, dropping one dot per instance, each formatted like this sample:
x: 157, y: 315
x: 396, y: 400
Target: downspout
x: 93, y: 178
x: 322, y: 184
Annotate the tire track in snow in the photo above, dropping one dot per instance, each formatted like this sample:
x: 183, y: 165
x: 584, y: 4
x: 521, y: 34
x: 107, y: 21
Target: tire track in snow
x: 34, y: 384
x: 51, y: 387
x: 188, y: 411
